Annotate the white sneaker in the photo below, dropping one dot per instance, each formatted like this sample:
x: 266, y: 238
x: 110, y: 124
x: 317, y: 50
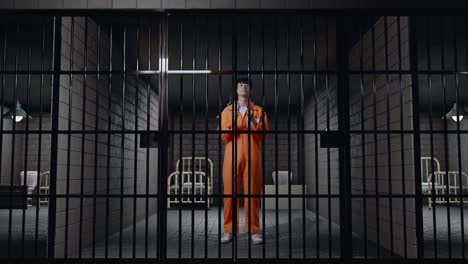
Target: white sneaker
x: 226, y: 238
x: 257, y: 239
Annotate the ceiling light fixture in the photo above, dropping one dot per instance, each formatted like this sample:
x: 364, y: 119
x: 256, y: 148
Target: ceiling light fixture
x: 17, y: 113
x: 456, y: 113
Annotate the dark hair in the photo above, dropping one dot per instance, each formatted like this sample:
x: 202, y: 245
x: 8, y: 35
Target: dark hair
x: 244, y: 80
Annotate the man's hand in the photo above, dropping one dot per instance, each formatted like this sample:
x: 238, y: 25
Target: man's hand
x: 253, y: 120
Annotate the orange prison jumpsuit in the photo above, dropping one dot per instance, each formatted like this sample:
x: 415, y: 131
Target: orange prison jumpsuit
x: 242, y: 177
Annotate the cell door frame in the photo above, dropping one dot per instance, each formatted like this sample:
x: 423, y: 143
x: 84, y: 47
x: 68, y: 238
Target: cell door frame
x: 343, y: 130
x: 163, y: 73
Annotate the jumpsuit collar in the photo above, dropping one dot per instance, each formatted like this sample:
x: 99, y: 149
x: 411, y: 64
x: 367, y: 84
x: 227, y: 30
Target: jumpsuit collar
x: 231, y: 107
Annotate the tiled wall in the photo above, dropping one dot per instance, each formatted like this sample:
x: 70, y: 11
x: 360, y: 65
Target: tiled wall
x: 382, y: 161
x: 107, y: 159
x: 321, y: 164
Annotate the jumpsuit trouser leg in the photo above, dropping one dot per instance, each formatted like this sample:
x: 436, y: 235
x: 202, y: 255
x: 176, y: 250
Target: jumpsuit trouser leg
x: 242, y: 178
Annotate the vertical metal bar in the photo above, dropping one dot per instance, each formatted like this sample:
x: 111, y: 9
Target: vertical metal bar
x: 234, y: 145
x: 431, y: 135
x: 83, y: 126
x: 181, y: 117
x: 444, y: 97
x: 122, y: 139
x: 327, y: 90
x: 207, y: 198
x: 288, y: 77
x: 163, y: 133
x: 96, y: 138
x: 2, y: 101
x: 363, y: 138
x: 220, y: 179
x: 462, y: 221
x: 389, y: 146
x: 160, y: 218
x: 276, y: 138
x: 416, y: 135
x: 39, y: 151
x: 70, y: 100
x: 344, y: 151
x: 376, y: 160
x: 402, y: 137
x: 193, y: 176
x: 12, y: 171
x: 317, y: 202
x: 263, y: 135
x: 249, y: 164
x: 26, y: 139
x: 135, y: 164
x: 148, y: 123
x: 302, y: 135
x: 56, y: 58
x: 109, y: 105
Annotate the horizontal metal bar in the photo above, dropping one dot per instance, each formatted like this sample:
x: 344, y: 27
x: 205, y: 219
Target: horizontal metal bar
x: 238, y: 195
x: 131, y: 12
x: 357, y: 260
x: 202, y: 131
x: 217, y: 72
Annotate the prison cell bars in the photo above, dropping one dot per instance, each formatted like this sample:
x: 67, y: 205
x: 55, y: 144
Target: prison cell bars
x: 2, y: 104
x: 327, y: 93
x: 41, y: 86
x: 276, y: 136
x: 234, y: 138
x: 389, y: 145
x: 416, y: 136
x: 15, y: 96
x: 83, y: 127
x: 444, y: 99
x: 28, y: 87
x: 404, y: 196
x: 402, y: 136
x: 96, y: 138
x: 181, y: 116
x: 315, y: 90
x: 428, y: 50
x: 220, y: 109
x: 457, y: 99
x: 363, y: 138
x: 249, y: 155
x: 376, y: 163
x: 263, y: 133
x: 207, y: 199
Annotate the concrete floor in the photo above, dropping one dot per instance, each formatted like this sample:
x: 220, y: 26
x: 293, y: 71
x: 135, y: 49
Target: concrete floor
x: 441, y: 241
x: 29, y: 232
x: 226, y: 251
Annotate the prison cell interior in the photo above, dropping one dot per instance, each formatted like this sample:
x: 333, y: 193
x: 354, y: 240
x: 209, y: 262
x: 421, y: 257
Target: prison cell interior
x: 77, y: 183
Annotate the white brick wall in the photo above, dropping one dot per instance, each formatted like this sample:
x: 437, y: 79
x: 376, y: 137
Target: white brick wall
x: 93, y: 88
x: 380, y: 175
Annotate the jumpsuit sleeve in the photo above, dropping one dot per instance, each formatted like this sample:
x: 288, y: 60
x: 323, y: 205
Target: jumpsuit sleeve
x: 226, y: 125
x: 261, y: 126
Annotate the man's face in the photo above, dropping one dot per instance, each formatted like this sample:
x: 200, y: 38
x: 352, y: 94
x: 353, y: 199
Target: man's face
x: 243, y: 89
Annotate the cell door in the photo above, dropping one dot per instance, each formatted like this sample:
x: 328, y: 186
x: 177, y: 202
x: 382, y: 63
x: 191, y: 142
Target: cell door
x: 291, y: 66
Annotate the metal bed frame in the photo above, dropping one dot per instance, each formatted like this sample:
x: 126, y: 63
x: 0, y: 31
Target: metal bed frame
x: 182, y: 179
x: 445, y: 182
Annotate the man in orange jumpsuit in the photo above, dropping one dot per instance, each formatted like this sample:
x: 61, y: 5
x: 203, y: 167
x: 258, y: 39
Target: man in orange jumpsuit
x: 246, y: 113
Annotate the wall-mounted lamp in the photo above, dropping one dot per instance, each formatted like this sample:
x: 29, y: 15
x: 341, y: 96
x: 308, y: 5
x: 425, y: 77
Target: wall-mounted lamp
x: 456, y: 113
x: 17, y: 113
